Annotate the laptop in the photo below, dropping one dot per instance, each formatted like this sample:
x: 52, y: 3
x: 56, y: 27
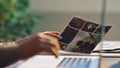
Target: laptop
x: 79, y: 62
x: 49, y: 61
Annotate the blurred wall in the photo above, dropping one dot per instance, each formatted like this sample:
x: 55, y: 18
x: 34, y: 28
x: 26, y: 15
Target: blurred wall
x: 57, y: 13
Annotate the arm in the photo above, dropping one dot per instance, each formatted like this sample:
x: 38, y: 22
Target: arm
x: 9, y: 53
x: 28, y: 47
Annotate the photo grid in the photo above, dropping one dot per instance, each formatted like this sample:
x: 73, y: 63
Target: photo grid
x: 81, y: 35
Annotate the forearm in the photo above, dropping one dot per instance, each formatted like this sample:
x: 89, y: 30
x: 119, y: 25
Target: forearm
x: 9, y: 53
x: 28, y: 47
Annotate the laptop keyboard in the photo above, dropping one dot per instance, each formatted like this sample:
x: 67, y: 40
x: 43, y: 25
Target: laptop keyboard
x: 74, y: 63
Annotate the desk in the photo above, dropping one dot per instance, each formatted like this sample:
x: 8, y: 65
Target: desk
x: 110, y: 63
x: 108, y: 60
x: 43, y: 60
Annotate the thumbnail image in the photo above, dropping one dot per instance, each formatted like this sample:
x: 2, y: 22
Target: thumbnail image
x: 77, y: 23
x: 90, y: 27
x: 107, y: 28
x: 68, y: 35
x: 98, y: 30
x: 84, y: 42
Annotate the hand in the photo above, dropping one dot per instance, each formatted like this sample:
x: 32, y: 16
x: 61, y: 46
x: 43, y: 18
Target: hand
x: 40, y: 42
x: 49, y: 42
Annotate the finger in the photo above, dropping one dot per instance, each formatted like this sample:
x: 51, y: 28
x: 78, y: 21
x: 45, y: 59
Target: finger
x: 51, y: 48
x: 61, y: 44
x: 57, y: 46
x: 54, y: 44
x: 55, y: 52
x: 54, y: 35
x: 53, y: 32
x: 50, y: 44
x: 54, y: 48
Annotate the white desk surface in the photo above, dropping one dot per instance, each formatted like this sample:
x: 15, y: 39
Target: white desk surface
x: 43, y: 60
x: 109, y: 60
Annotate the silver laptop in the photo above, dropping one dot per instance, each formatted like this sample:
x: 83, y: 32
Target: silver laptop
x: 79, y: 62
x: 49, y: 61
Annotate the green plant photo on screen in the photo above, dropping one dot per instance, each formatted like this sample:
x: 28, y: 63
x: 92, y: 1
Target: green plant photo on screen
x: 15, y: 20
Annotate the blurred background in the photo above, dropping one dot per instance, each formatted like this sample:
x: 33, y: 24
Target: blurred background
x: 57, y: 13
x: 53, y: 15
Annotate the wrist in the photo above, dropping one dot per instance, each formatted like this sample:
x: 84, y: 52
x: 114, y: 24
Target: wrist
x: 27, y: 49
